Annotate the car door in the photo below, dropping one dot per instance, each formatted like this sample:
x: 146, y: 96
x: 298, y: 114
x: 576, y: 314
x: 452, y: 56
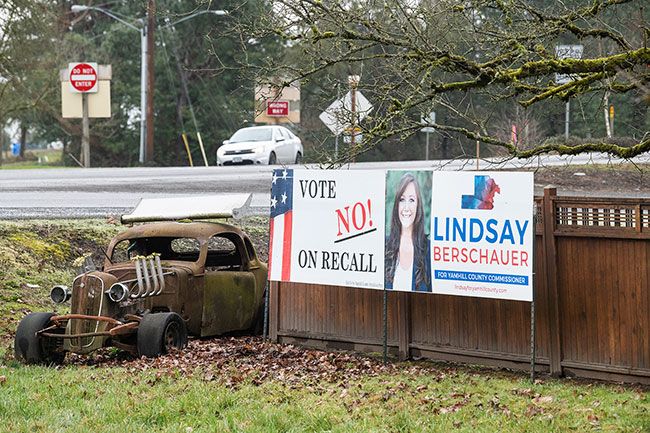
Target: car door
x: 229, y: 299
x: 283, y: 145
x: 295, y: 145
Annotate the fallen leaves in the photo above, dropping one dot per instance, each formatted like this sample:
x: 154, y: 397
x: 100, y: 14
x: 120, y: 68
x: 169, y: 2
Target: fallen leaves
x: 533, y: 410
x: 3, y: 380
x: 543, y: 400
x: 235, y: 360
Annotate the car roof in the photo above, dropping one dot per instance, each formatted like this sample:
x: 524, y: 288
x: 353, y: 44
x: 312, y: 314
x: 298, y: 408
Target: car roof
x: 198, y: 230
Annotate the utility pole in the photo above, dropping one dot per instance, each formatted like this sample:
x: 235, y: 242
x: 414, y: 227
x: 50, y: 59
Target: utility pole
x: 151, y: 22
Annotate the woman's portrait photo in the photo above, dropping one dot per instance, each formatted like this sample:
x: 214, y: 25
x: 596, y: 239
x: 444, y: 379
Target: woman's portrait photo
x: 408, y: 211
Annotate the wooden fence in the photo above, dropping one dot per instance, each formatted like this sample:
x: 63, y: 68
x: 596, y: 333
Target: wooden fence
x: 592, y: 303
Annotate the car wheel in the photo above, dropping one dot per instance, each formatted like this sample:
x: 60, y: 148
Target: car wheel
x: 159, y: 333
x: 32, y: 349
x: 298, y: 158
x: 273, y: 159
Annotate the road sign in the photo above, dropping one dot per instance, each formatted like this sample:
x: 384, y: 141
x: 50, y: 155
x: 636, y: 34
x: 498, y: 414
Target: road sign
x: 429, y: 120
x: 567, y: 52
x: 277, y: 108
x: 83, y: 77
x: 338, y: 116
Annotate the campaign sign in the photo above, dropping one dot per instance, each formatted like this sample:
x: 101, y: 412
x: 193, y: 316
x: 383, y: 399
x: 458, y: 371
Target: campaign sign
x: 327, y: 227
x: 482, y: 234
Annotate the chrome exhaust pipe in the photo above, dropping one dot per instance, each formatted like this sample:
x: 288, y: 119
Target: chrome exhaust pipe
x: 138, y: 274
x: 145, y: 271
x: 154, y: 277
x: 161, y: 277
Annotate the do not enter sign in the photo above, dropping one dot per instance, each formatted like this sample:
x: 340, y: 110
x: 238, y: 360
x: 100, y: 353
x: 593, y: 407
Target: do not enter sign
x: 83, y: 77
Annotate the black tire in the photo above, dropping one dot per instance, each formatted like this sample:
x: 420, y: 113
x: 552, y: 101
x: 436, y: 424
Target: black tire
x: 298, y: 158
x: 31, y: 349
x: 273, y: 159
x: 158, y: 333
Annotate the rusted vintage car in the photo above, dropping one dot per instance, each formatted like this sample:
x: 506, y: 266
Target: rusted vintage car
x: 159, y: 283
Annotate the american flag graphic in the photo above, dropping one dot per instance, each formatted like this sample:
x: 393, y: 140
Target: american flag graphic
x: 281, y: 225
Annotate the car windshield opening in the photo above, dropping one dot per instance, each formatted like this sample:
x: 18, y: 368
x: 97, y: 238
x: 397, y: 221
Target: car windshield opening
x: 169, y: 248
x: 256, y: 134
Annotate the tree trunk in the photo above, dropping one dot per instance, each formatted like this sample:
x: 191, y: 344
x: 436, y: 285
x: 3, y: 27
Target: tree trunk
x: 23, y: 140
x: 2, y: 141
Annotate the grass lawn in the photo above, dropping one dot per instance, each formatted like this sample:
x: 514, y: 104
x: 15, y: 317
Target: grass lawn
x: 246, y: 385
x: 435, y: 399
x: 39, y: 158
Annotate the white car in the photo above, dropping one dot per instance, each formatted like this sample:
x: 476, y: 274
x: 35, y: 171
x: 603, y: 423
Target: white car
x: 261, y: 145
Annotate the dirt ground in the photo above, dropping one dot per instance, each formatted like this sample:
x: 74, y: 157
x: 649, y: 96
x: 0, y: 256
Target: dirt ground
x: 596, y: 181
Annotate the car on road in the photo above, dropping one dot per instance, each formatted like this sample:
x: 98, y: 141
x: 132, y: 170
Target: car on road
x: 261, y: 145
x: 159, y: 282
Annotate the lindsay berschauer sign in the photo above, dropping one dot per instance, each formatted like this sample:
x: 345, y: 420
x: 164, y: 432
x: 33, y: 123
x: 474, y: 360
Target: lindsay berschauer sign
x: 454, y: 233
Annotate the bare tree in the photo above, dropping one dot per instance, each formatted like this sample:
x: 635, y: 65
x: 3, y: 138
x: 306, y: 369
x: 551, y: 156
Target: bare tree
x: 465, y: 59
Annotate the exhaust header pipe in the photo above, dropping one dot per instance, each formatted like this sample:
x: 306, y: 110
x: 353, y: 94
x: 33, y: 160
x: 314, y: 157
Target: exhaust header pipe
x: 150, y: 276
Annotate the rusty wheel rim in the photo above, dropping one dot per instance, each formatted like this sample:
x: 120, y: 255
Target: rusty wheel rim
x: 172, y: 336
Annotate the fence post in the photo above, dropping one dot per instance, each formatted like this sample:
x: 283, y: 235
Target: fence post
x: 550, y: 265
x: 404, y: 324
x: 274, y: 310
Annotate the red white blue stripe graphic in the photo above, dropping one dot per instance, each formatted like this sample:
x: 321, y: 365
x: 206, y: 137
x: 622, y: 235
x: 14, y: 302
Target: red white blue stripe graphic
x: 281, y: 225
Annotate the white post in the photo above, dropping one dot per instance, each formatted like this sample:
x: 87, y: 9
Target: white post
x: 85, y: 131
x: 608, y: 129
x: 566, y: 122
x: 143, y: 91
x: 426, y: 153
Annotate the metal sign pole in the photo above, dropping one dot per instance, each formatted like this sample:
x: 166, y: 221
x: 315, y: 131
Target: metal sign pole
x: 532, y: 338
x: 532, y: 307
x: 426, y: 155
x: 385, y: 320
x: 566, y: 121
x: 265, y: 331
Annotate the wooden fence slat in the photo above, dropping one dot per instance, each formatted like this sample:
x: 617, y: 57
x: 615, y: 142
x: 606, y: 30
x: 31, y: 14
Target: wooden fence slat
x: 551, y: 279
x: 274, y: 303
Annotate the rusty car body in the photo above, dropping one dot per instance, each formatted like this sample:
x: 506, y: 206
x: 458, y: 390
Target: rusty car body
x: 159, y: 282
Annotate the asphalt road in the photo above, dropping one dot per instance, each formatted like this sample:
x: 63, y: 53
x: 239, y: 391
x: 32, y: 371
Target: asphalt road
x: 101, y: 192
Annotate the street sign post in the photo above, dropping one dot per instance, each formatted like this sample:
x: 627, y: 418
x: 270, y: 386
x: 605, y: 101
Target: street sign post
x: 338, y: 116
x: 567, y: 52
x: 85, y: 80
x: 429, y: 120
x: 343, y: 115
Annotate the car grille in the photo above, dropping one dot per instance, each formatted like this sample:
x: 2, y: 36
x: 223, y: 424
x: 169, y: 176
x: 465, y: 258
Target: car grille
x: 87, y: 297
x: 243, y: 162
x: 238, y: 152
